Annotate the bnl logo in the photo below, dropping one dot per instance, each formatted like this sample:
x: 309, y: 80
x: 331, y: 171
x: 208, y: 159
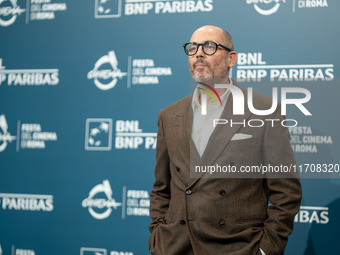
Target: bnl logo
x: 98, y: 251
x: 129, y: 135
x: 98, y: 134
x: 107, y: 9
x: 92, y: 251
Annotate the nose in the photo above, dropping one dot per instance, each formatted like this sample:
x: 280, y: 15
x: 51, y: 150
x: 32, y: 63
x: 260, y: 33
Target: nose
x: 200, y: 53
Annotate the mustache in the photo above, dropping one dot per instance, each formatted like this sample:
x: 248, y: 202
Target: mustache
x: 201, y: 61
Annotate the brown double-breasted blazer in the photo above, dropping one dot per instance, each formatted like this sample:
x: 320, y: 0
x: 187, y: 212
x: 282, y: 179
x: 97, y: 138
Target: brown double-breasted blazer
x: 209, y: 216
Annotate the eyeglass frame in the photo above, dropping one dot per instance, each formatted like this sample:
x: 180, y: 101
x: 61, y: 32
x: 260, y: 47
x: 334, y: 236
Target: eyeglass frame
x: 202, y: 44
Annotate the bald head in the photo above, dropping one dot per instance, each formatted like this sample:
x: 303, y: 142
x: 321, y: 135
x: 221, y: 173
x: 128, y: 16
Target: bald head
x: 214, y: 33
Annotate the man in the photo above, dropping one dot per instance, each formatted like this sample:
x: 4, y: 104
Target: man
x: 192, y: 214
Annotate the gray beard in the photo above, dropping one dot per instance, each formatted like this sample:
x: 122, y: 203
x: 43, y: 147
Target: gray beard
x: 210, y: 80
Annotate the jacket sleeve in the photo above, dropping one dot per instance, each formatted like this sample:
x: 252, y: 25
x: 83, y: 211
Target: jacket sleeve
x: 284, y: 193
x: 160, y: 195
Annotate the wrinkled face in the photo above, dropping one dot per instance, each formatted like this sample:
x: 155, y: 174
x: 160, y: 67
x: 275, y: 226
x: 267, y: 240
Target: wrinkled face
x: 206, y: 67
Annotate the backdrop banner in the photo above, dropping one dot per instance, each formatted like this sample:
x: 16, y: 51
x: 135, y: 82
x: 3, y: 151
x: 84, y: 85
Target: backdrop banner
x: 81, y: 85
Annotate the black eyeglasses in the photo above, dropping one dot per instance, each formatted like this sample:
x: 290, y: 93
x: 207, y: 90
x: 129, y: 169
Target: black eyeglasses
x: 208, y: 48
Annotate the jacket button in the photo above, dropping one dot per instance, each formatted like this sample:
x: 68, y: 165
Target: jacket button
x: 188, y: 192
x: 177, y: 168
x: 182, y: 222
x: 222, y: 221
x: 232, y: 164
x: 222, y: 192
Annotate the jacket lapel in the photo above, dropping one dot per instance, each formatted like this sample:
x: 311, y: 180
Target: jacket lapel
x: 183, y: 122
